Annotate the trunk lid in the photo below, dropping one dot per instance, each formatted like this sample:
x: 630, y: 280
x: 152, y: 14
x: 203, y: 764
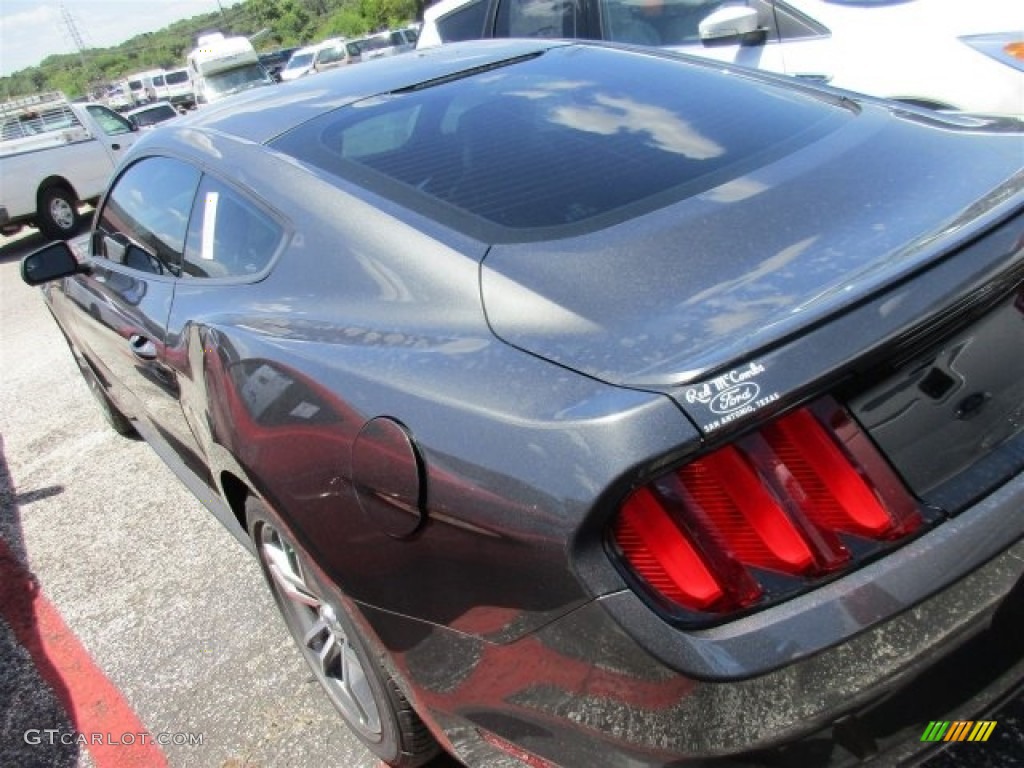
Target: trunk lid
x: 671, y: 297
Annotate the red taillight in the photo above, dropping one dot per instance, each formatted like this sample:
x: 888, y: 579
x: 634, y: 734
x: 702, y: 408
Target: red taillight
x: 663, y: 555
x: 781, y: 499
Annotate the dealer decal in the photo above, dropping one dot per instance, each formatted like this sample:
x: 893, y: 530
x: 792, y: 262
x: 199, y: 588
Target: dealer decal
x: 730, y: 396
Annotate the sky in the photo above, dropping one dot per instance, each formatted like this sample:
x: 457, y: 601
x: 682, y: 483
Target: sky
x: 31, y: 30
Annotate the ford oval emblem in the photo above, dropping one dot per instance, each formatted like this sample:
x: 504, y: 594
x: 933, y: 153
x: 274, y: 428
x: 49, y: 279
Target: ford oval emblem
x: 734, y: 397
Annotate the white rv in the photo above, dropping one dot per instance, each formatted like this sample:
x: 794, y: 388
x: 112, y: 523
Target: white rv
x: 221, y: 66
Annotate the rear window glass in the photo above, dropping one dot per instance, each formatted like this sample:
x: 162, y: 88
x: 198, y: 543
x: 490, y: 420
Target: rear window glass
x: 154, y: 115
x: 547, y: 142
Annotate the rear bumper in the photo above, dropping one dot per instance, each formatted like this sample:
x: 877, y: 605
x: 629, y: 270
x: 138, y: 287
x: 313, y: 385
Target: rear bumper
x: 956, y: 656
x: 851, y: 673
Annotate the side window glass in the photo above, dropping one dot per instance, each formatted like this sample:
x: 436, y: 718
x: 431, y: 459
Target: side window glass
x: 228, y: 236
x: 539, y: 18
x: 145, y: 218
x: 111, y: 122
x: 666, y: 22
x: 330, y: 55
x: 466, y: 23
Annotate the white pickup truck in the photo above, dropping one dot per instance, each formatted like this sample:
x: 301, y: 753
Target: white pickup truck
x: 54, y: 155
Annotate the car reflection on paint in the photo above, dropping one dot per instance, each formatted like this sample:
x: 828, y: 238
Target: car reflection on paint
x: 586, y: 405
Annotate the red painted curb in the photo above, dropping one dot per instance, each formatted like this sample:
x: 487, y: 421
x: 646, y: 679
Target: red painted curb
x: 103, y: 720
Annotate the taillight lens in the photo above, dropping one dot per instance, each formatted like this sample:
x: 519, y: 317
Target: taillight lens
x: 765, y: 516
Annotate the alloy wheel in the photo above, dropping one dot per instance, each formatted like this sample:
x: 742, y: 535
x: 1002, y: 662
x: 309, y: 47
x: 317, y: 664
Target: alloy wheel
x: 322, y: 637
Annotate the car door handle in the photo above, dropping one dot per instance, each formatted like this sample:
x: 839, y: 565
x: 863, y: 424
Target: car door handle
x: 142, y: 348
x: 115, y: 146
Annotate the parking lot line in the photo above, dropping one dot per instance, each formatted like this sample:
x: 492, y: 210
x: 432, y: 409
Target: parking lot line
x: 104, y: 722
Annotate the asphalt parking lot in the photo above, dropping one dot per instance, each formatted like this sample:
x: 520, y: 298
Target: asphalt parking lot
x: 126, y: 609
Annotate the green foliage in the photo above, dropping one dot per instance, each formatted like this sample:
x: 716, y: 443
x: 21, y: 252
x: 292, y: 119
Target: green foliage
x: 285, y: 22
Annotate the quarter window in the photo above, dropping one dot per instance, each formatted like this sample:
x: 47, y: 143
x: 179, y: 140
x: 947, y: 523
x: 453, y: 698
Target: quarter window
x: 144, y: 220
x: 228, y: 236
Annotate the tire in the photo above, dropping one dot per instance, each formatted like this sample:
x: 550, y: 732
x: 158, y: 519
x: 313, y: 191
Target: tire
x: 57, y: 216
x: 366, y: 696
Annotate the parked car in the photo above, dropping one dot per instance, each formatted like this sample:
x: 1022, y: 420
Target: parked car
x: 275, y: 61
x: 389, y: 43
x: 337, y: 53
x: 944, y: 54
x: 152, y: 115
x: 299, y: 64
x: 589, y: 405
x: 321, y: 57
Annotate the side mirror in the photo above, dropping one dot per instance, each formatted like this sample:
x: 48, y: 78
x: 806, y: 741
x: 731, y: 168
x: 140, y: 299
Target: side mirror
x: 51, y: 262
x: 732, y: 25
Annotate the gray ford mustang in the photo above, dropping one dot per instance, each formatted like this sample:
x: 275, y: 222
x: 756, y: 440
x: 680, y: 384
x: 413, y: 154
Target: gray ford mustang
x: 589, y: 406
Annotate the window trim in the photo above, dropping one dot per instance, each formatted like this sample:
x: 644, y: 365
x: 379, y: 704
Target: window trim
x: 287, y: 229
x: 101, y: 206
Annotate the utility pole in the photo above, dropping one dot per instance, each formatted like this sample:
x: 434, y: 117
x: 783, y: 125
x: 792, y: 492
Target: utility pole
x: 88, y: 83
x: 76, y: 36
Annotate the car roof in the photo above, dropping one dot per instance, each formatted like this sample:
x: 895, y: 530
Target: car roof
x: 262, y: 114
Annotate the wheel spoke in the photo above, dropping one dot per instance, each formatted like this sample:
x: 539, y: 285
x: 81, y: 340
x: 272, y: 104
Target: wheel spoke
x: 288, y: 580
x: 324, y: 641
x: 358, y: 690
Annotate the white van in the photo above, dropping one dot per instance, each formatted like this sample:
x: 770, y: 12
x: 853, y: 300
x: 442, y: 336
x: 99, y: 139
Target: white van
x: 178, y: 88
x: 142, y: 87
